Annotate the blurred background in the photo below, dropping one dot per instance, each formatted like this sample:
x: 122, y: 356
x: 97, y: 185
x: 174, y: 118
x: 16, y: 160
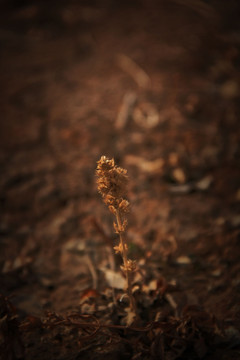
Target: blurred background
x: 154, y: 84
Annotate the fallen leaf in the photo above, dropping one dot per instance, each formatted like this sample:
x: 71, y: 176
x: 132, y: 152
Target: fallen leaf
x: 88, y: 294
x: 183, y: 260
x: 114, y: 279
x: 204, y: 183
x: 129, y: 318
x: 179, y: 175
x: 148, y: 166
x: 152, y: 286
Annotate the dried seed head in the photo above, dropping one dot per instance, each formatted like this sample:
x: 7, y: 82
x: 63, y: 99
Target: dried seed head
x: 112, y: 209
x: 105, y: 164
x: 130, y: 266
x: 119, y: 248
x: 120, y: 228
x: 112, y: 184
x: 124, y: 206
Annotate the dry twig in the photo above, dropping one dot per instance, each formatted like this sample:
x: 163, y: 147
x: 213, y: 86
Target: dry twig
x: 134, y: 70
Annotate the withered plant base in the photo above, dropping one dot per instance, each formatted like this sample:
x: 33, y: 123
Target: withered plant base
x: 112, y: 185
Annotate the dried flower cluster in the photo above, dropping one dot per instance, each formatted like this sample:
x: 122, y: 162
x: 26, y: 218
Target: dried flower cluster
x: 112, y: 181
x: 112, y: 185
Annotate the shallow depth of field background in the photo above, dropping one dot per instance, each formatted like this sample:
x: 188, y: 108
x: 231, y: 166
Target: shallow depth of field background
x: 154, y: 84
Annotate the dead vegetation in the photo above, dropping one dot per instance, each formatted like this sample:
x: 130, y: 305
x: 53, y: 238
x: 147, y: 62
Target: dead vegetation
x: 155, y: 85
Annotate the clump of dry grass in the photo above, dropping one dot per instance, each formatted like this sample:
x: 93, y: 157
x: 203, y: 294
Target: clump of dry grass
x: 112, y: 184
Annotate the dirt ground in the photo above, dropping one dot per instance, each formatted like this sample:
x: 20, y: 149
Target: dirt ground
x: 154, y: 84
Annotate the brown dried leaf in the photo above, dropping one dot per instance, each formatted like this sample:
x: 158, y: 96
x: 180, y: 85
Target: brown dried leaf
x: 87, y: 295
x: 114, y: 279
x: 129, y: 318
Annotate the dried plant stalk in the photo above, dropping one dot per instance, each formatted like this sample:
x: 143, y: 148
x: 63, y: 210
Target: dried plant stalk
x: 112, y: 185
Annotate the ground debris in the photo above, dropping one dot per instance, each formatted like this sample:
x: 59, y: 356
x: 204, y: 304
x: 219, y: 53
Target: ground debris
x: 166, y: 109
x: 193, y: 334
x: 11, y: 345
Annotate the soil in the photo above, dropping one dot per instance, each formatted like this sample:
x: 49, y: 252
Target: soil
x: 154, y: 85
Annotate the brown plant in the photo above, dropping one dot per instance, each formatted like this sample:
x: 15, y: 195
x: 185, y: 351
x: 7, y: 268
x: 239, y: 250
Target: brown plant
x: 112, y: 185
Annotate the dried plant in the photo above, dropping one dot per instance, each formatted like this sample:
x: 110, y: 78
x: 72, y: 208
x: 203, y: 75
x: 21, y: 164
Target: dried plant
x: 112, y: 185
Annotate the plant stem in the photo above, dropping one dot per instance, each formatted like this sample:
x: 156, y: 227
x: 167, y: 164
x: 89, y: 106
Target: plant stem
x: 125, y: 262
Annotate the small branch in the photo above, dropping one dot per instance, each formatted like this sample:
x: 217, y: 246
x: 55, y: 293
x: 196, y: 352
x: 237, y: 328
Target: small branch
x: 56, y: 320
x: 125, y: 111
x: 134, y: 70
